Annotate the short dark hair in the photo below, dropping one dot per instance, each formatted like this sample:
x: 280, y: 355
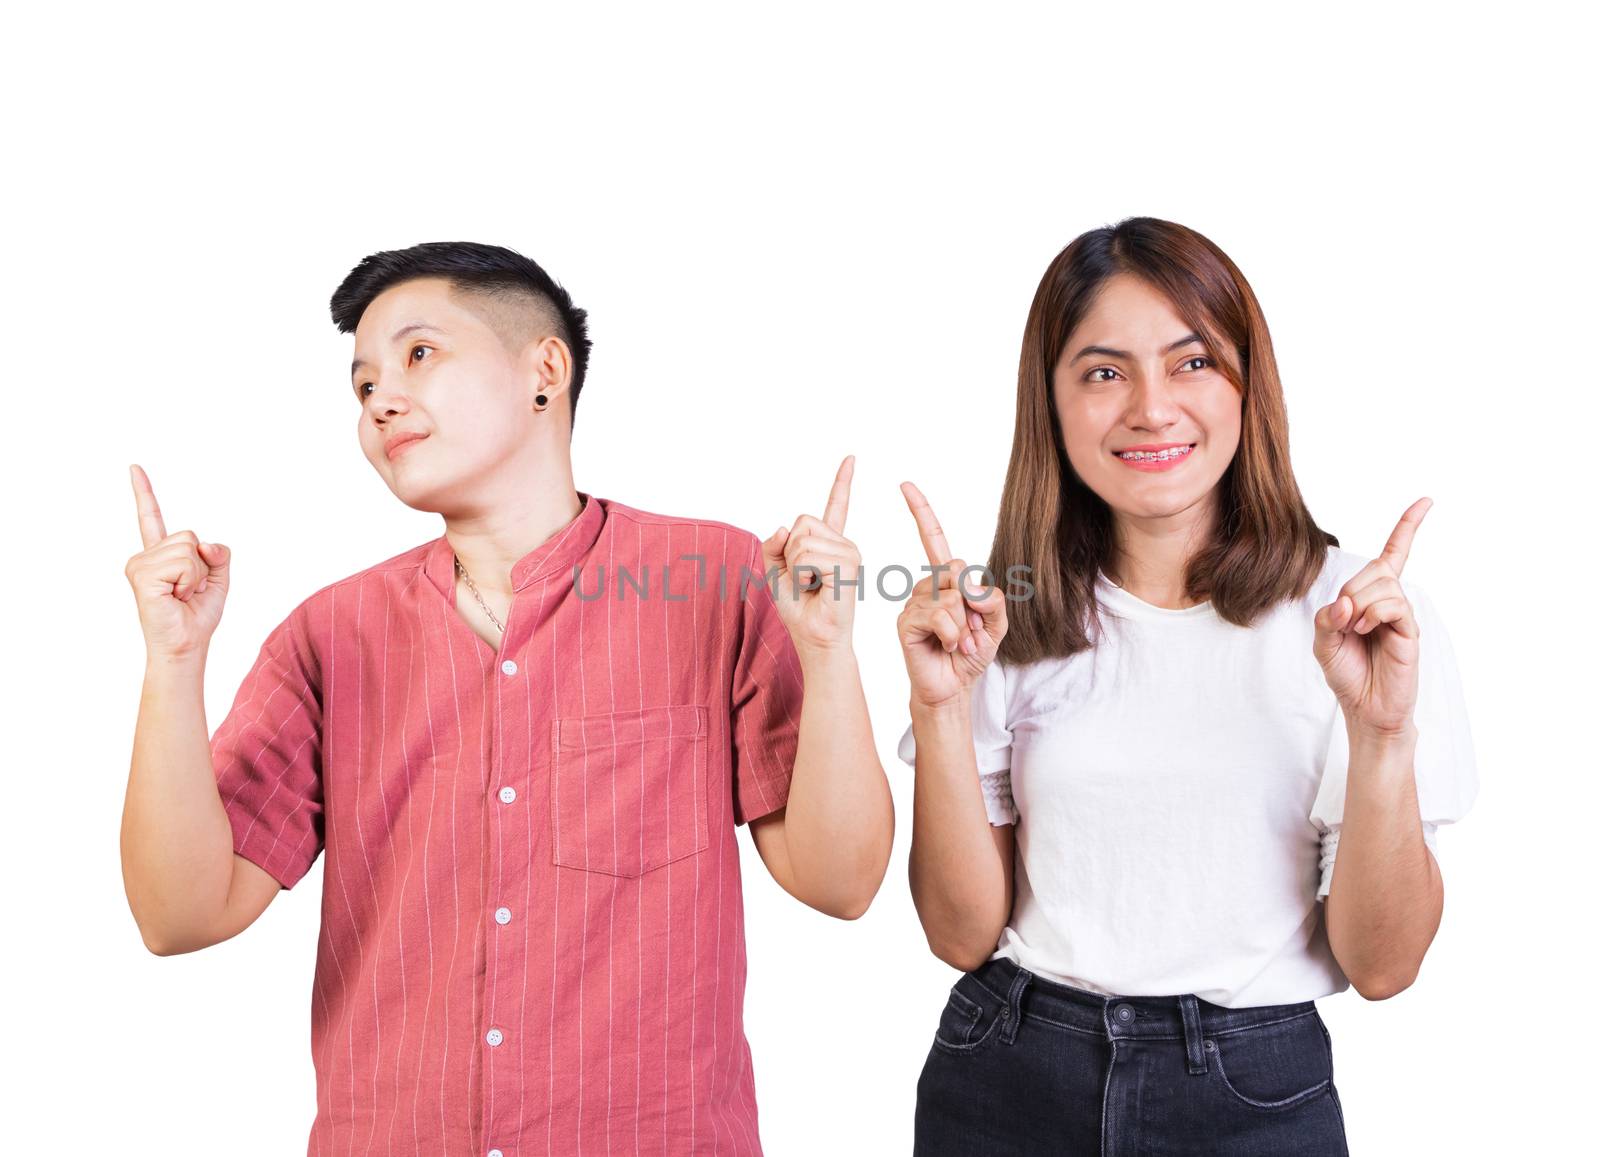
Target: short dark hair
x: 491, y: 270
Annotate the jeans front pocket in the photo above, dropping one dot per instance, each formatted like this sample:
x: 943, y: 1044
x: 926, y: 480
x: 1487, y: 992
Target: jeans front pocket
x: 969, y: 1018
x: 628, y: 789
x: 1273, y: 1066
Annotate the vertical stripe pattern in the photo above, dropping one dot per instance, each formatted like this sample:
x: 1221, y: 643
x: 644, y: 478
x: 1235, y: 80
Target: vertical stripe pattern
x: 532, y: 930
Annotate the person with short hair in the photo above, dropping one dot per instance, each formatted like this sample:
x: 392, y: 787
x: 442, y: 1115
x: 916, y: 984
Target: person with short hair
x: 524, y: 746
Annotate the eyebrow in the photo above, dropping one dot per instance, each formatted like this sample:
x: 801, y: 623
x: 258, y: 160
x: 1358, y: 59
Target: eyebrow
x: 1107, y: 352
x: 409, y: 327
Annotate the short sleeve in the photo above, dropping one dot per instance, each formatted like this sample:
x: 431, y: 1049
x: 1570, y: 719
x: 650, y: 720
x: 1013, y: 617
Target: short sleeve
x: 1445, y: 764
x: 767, y: 691
x: 267, y: 756
x: 991, y: 744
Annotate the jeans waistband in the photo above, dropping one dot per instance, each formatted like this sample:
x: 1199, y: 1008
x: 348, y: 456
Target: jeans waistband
x: 1179, y: 1016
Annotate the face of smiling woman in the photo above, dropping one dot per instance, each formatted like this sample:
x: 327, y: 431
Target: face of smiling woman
x: 452, y: 382
x: 1149, y: 422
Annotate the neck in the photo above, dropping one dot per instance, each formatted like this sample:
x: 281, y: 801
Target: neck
x: 506, y: 526
x: 1152, y: 554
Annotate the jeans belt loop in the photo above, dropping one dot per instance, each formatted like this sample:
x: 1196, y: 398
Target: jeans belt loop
x: 1194, y: 1043
x: 1013, y: 1009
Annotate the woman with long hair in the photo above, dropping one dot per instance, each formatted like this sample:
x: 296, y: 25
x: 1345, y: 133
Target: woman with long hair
x: 1180, y: 758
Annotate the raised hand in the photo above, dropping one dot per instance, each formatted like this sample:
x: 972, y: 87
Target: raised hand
x: 1367, y: 639
x: 179, y: 582
x: 817, y: 617
x: 948, y: 635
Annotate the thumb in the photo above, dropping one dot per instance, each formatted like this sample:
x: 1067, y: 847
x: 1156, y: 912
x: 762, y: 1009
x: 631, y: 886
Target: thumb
x: 988, y: 601
x: 216, y: 557
x: 772, y: 551
x: 1330, y: 622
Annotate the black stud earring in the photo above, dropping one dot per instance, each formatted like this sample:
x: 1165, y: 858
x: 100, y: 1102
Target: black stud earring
x: 541, y: 400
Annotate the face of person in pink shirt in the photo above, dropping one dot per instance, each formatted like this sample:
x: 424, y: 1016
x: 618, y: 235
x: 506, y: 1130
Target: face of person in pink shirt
x: 1144, y: 386
x: 447, y: 383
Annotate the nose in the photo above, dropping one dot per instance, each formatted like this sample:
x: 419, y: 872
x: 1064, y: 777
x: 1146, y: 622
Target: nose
x: 1151, y: 405
x: 384, y: 399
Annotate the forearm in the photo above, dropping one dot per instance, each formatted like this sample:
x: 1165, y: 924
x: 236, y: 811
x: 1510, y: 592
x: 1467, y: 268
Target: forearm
x: 960, y: 887
x: 839, y: 820
x: 177, y: 844
x: 1386, y: 896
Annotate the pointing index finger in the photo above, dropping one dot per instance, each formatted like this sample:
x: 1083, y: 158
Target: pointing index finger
x: 839, y: 497
x: 1398, y: 548
x: 151, y: 527
x: 927, y: 525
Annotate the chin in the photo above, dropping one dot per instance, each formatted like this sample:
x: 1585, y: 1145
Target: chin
x: 1152, y: 504
x: 415, y: 494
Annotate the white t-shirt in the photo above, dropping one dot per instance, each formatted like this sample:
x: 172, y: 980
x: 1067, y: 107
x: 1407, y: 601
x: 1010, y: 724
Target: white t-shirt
x: 1178, y: 790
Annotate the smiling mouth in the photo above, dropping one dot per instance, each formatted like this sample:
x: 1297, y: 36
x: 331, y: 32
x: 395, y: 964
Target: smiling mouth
x: 396, y: 447
x: 1167, y: 455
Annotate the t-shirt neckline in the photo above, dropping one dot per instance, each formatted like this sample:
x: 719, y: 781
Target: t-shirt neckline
x: 1133, y: 606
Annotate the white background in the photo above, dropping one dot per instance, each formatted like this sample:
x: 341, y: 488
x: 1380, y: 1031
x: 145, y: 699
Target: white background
x: 799, y: 234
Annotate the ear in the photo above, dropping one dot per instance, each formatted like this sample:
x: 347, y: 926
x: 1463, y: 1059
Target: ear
x: 547, y: 366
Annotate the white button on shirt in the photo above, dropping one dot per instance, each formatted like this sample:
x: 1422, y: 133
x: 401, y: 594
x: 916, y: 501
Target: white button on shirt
x: 508, y: 794
x: 1178, y: 791
x: 494, y: 1036
x: 509, y: 666
x: 502, y: 915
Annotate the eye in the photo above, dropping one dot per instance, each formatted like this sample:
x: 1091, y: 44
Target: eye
x: 361, y: 387
x: 1198, y: 358
x: 414, y: 350
x: 1090, y: 376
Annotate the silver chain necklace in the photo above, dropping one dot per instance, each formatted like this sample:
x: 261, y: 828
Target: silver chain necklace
x: 473, y: 587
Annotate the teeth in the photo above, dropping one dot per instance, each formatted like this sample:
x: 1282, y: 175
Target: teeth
x: 1158, y: 456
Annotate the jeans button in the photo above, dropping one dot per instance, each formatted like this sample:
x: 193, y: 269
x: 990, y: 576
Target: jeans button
x: 1124, y: 1013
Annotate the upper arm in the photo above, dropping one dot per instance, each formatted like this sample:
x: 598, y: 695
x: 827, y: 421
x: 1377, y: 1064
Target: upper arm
x: 767, y: 689
x: 250, y: 890
x: 267, y: 757
x: 772, y: 845
x: 249, y: 894
x: 1005, y: 844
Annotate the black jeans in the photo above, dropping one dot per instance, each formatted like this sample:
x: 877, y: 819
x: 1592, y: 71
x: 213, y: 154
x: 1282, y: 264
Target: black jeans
x: 1023, y: 1065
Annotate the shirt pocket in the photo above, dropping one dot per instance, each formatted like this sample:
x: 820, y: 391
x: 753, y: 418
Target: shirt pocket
x: 628, y: 789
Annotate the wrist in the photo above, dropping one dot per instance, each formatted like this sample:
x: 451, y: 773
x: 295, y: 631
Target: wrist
x: 163, y: 662
x: 956, y: 710
x: 1383, y: 739
x: 825, y: 657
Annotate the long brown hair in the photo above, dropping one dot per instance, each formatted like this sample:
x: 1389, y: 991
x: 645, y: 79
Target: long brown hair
x: 1265, y: 546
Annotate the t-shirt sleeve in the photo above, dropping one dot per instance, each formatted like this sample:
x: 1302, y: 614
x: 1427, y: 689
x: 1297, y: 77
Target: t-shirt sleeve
x: 991, y: 744
x: 767, y: 691
x: 267, y: 756
x: 1445, y: 764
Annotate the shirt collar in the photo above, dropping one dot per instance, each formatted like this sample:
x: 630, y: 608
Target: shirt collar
x: 555, y: 555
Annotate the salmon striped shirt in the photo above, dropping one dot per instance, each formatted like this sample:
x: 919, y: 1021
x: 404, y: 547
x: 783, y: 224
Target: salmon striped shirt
x: 532, y: 934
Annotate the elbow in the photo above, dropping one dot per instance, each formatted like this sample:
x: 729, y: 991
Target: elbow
x: 849, y: 907
x: 155, y: 940
x: 1382, y: 987
x: 962, y: 960
x: 158, y: 946
x: 962, y: 957
x: 852, y: 911
x: 849, y: 899
x: 839, y: 909
x: 165, y: 944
